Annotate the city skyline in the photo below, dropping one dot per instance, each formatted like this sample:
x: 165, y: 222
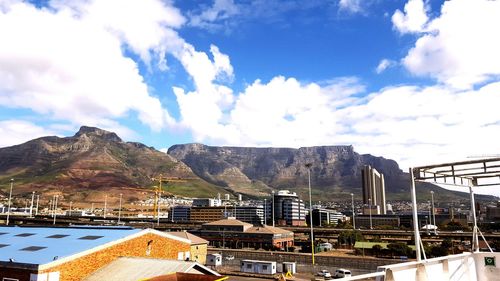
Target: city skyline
x: 415, y: 81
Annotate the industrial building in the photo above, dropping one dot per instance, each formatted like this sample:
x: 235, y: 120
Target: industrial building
x: 73, y: 253
x: 373, y: 189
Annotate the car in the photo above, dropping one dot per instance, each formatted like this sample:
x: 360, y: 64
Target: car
x: 229, y: 257
x: 341, y: 273
x: 324, y: 273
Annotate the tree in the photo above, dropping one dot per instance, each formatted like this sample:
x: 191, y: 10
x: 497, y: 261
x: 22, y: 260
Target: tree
x: 350, y: 237
x: 377, y: 249
x: 399, y: 249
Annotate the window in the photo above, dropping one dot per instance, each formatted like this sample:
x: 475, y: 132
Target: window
x: 90, y: 237
x: 32, y: 248
x: 25, y: 234
x: 249, y: 266
x: 57, y: 236
x: 264, y: 267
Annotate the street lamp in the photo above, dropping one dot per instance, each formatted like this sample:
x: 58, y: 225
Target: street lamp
x: 433, y: 212
x: 10, y: 199
x: 70, y: 204
x: 352, y: 205
x: 159, y: 202
x: 308, y: 166
x: 120, y: 209
x: 370, y: 206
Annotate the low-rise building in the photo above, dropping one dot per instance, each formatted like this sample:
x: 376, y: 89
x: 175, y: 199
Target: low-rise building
x: 199, y: 245
x: 233, y: 233
x: 73, y: 253
x: 258, y: 267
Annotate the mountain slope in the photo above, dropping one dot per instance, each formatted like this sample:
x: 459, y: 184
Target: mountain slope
x: 336, y: 170
x: 89, y: 164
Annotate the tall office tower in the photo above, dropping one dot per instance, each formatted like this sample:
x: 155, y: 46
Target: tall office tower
x: 374, y: 189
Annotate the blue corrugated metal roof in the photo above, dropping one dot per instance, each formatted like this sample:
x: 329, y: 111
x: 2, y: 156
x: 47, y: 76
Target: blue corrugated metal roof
x: 54, y: 247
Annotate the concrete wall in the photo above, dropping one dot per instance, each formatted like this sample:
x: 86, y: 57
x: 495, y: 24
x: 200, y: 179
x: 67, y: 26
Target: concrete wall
x: 199, y: 253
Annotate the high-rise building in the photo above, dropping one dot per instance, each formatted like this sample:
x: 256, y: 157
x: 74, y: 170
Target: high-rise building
x: 374, y: 190
x: 287, y: 209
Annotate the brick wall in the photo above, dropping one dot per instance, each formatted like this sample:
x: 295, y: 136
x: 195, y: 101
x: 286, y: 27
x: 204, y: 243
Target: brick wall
x: 199, y: 253
x: 161, y: 247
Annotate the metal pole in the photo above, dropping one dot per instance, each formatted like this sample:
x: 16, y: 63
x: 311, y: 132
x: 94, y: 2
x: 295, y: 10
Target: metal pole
x: 55, y: 208
x: 415, y: 216
x: 37, y: 201
x: 92, y: 208
x: 433, y: 212
x: 120, y: 209
x: 308, y: 166
x: 32, y: 201
x: 370, y: 206
x: 10, y: 199
x: 70, y: 203
x: 158, y: 219
x: 105, y: 205
x: 52, y: 206
x: 475, y: 238
x: 265, y: 211
x: 353, y: 218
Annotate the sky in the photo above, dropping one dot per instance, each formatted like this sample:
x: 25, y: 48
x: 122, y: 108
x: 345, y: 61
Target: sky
x: 415, y: 81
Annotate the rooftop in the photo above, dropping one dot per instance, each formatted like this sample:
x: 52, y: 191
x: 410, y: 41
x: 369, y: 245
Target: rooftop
x: 268, y: 229
x: 41, y: 245
x: 233, y: 222
x: 186, y: 235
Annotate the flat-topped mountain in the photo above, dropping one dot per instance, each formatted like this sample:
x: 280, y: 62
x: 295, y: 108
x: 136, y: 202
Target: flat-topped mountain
x: 95, y: 163
x: 335, y: 171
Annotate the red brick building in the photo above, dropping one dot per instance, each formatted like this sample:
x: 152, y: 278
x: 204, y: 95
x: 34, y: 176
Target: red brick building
x: 63, y: 254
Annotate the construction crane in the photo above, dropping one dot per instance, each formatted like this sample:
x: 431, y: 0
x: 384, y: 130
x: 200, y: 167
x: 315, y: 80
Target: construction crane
x: 158, y: 190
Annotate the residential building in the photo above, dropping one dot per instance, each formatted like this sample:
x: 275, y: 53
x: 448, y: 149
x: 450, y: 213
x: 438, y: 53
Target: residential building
x: 73, y: 253
x: 206, y: 202
x: 373, y: 189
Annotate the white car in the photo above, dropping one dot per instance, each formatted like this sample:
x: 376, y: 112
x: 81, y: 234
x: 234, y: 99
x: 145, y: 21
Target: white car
x: 342, y: 273
x: 324, y: 273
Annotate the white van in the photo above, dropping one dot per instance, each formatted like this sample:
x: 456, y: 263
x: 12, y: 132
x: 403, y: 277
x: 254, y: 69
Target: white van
x: 341, y: 273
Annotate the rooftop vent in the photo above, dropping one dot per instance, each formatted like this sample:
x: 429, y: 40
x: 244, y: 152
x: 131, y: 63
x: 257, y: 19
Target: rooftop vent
x: 56, y: 236
x: 32, y: 248
x: 90, y: 237
x: 25, y: 234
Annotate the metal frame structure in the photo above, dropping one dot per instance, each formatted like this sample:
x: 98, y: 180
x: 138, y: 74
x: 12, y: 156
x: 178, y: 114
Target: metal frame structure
x: 471, y: 174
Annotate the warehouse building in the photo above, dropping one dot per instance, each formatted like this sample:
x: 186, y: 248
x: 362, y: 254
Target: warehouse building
x: 73, y: 253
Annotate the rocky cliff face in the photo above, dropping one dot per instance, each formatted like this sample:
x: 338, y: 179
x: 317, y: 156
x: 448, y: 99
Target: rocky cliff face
x: 333, y: 166
x: 91, y: 161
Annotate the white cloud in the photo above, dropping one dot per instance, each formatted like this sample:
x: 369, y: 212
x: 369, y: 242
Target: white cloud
x: 211, y: 18
x: 352, y: 6
x: 384, y: 64
x: 77, y: 72
x: 413, y: 19
x: 460, y: 46
x: 18, y: 131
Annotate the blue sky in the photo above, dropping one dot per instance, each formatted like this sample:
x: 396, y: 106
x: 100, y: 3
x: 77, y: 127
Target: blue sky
x: 416, y: 81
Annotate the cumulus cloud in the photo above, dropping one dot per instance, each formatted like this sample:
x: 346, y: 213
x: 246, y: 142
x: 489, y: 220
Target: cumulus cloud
x: 384, y: 64
x: 413, y: 19
x: 459, y: 47
x: 19, y: 131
